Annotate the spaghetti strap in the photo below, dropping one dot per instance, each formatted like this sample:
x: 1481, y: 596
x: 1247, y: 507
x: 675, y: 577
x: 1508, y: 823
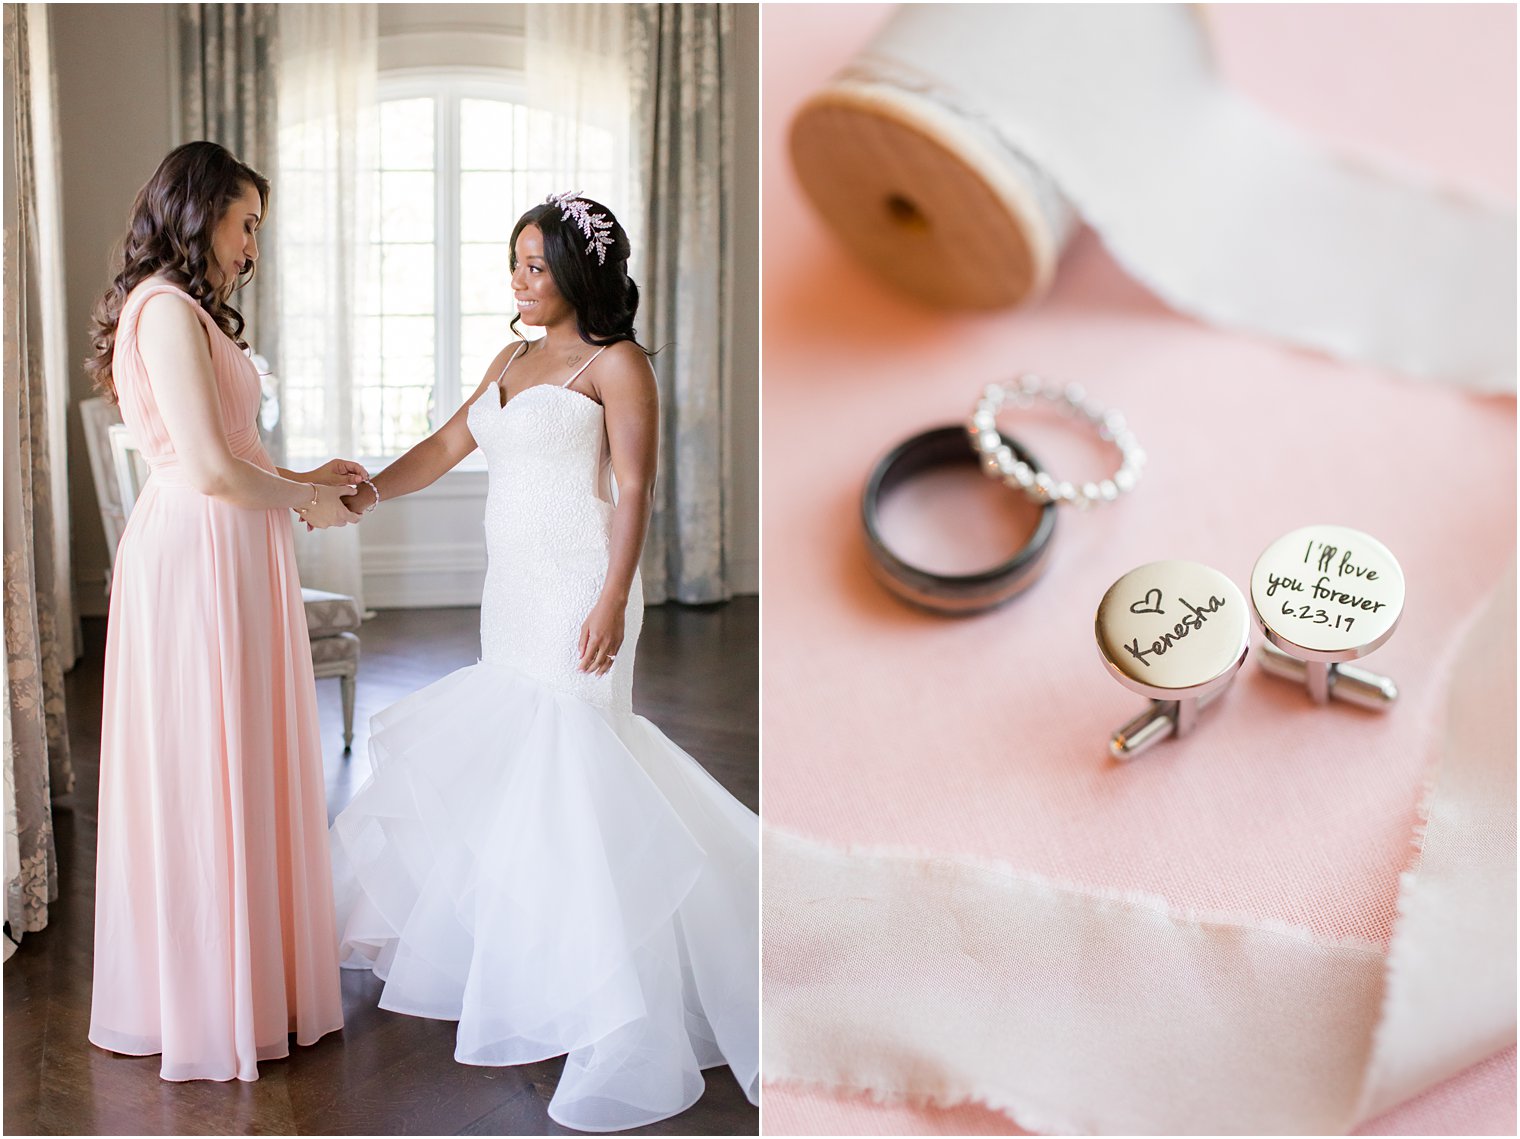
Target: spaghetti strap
x: 584, y: 366
x: 518, y: 351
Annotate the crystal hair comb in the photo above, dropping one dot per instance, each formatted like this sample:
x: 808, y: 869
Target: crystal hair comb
x: 597, y: 228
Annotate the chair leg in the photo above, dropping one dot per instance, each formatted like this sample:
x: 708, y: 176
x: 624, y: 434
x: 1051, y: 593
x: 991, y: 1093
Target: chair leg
x: 348, y: 711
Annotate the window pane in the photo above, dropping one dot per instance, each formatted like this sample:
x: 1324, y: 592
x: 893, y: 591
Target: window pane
x: 367, y: 283
x: 406, y: 134
x: 536, y: 140
x: 487, y: 211
x: 485, y: 279
x: 296, y: 352
x: 485, y: 134
x: 406, y: 278
x: 500, y: 168
x: 480, y: 338
x: 408, y: 410
x: 406, y: 206
x: 406, y: 347
x: 302, y: 406
x: 301, y: 285
x: 299, y: 226
x: 596, y: 150
x: 368, y: 360
x: 369, y: 412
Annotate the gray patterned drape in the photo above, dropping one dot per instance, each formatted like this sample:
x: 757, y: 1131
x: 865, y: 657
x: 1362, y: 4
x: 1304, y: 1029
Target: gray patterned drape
x: 36, y: 743
x: 682, y: 72
x: 227, y: 55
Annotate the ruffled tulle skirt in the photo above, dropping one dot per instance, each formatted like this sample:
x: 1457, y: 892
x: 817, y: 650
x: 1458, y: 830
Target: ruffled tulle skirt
x: 560, y: 879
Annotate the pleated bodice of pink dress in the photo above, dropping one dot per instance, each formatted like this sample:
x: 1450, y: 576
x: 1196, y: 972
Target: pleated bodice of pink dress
x: 214, y: 936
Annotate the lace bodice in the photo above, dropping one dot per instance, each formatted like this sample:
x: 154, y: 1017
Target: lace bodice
x: 548, y: 514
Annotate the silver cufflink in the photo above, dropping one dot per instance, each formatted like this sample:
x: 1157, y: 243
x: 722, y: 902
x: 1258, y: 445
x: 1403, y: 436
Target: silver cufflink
x: 1176, y: 632
x: 1324, y: 595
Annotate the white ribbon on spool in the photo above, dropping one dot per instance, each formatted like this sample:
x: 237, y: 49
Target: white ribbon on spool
x: 974, y: 133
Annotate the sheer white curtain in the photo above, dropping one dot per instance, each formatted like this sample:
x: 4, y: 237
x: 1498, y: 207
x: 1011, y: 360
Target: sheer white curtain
x: 580, y: 91
x: 647, y: 87
x: 324, y: 200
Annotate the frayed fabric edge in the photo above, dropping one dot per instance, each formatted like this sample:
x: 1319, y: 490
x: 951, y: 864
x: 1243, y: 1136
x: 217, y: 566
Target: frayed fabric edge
x: 929, y: 864
x: 1025, y: 1119
x: 1397, y: 964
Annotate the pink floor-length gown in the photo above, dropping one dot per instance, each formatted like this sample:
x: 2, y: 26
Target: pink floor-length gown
x: 214, y: 935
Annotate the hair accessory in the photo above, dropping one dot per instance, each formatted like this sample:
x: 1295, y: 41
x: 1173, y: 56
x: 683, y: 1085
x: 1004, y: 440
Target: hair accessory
x: 1176, y: 632
x: 1324, y: 595
x: 947, y: 593
x: 1039, y: 484
x: 595, y: 227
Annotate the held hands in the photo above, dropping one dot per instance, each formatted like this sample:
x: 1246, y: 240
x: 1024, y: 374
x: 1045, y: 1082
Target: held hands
x: 333, y: 480
x: 601, y: 637
x: 328, y: 510
x: 336, y: 472
x: 361, y: 500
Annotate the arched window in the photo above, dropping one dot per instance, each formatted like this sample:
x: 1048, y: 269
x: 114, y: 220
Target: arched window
x: 460, y: 157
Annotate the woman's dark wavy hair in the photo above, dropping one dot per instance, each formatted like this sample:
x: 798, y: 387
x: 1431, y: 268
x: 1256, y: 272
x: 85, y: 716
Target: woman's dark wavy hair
x: 604, y: 297
x: 169, y: 234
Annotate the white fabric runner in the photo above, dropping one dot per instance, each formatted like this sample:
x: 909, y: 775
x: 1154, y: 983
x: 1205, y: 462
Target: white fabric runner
x: 1451, y: 968
x: 951, y: 980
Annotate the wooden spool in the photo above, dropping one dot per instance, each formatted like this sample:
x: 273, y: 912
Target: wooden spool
x: 925, y: 199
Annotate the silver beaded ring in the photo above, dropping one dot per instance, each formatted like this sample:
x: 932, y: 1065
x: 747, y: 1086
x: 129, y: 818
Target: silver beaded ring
x: 999, y: 461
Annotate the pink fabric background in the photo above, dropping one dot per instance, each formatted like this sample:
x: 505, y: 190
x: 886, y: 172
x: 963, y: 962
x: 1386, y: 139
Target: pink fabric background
x: 986, y: 735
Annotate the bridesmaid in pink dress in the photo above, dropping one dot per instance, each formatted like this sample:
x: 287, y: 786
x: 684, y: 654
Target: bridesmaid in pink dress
x: 214, y: 935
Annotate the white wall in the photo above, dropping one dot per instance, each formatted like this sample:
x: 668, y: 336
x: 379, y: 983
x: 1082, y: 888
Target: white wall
x: 114, y: 76
x: 113, y: 118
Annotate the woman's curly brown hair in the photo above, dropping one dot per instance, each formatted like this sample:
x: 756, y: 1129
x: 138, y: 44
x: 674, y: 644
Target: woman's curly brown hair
x: 169, y: 235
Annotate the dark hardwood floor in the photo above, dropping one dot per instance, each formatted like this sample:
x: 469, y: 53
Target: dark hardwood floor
x: 384, y: 1074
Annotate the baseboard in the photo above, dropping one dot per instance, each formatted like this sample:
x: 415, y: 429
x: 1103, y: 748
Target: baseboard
x: 448, y: 576
x: 405, y: 577
x: 434, y: 576
x: 90, y: 597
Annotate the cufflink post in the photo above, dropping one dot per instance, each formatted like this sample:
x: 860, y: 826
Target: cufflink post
x: 1178, y: 633
x: 1323, y: 596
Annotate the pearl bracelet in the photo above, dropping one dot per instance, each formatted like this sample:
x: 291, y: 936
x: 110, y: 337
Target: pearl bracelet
x: 370, y: 483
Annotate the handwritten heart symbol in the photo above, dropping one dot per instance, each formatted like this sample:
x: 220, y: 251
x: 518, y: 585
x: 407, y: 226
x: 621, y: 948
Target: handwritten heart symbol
x: 1150, y: 603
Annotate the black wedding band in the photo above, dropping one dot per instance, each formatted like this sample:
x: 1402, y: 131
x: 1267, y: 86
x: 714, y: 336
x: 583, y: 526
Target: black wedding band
x: 955, y: 594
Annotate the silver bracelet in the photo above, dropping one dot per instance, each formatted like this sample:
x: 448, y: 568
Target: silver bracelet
x: 370, y: 483
x: 1000, y: 462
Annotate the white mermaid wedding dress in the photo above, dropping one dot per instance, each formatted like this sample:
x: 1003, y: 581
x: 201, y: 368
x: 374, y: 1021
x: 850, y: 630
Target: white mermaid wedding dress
x: 531, y: 858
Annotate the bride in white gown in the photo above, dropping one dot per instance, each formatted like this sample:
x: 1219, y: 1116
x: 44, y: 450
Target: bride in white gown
x: 529, y: 857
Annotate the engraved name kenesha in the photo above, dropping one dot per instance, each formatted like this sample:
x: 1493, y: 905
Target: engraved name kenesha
x: 1195, y: 618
